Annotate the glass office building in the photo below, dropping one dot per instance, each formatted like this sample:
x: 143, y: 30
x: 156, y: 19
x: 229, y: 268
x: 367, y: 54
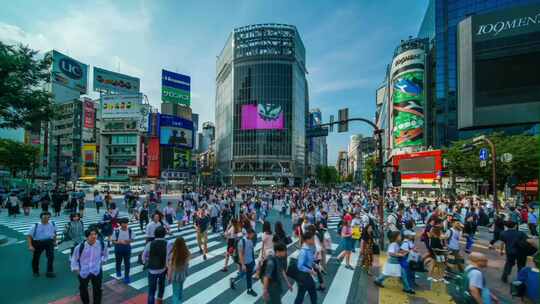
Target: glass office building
x: 440, y: 26
x: 261, y: 105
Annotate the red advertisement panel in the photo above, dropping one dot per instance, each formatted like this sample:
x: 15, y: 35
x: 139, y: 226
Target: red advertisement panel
x: 89, y: 114
x: 153, y: 157
x: 425, y: 166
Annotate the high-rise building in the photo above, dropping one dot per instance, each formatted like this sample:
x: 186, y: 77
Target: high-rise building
x: 359, y: 149
x: 317, y: 149
x: 261, y: 105
x: 440, y: 26
x: 342, y: 164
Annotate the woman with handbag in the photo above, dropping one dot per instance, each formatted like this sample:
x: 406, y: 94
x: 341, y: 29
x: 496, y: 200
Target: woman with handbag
x: 346, y: 241
x: 232, y: 234
x: 366, y: 251
x: 392, y: 267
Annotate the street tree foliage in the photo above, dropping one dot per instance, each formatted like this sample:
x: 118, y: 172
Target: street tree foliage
x: 327, y: 175
x: 18, y: 157
x: 23, y: 99
x: 524, y: 166
x: 369, y: 170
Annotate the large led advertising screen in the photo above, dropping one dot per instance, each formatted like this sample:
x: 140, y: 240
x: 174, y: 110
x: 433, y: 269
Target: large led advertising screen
x: 408, y: 99
x: 175, y: 132
x: 262, y: 117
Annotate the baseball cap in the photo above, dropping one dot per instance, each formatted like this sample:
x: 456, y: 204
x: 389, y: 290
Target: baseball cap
x: 347, y: 217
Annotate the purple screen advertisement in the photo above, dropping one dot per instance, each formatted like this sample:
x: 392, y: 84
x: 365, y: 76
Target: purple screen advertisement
x: 262, y: 117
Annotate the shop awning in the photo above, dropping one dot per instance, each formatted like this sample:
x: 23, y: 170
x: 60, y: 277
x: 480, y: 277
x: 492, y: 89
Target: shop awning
x: 531, y: 186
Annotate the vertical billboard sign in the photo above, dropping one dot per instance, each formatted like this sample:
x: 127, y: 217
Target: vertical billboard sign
x: 153, y: 157
x: 175, y: 88
x: 408, y: 98
x: 175, y: 132
x: 108, y: 81
x: 69, y: 72
x: 89, y: 114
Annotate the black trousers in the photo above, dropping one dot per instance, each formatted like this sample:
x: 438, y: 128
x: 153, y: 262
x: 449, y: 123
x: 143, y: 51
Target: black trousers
x: 306, y: 284
x: 511, y: 261
x: 39, y: 247
x: 532, y: 229
x: 122, y: 253
x: 96, y: 288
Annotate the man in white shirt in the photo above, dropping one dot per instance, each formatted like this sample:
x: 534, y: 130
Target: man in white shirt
x: 477, y: 282
x: 86, y: 261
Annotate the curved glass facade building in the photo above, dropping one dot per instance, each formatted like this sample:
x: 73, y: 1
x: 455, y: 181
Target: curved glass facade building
x: 261, y: 105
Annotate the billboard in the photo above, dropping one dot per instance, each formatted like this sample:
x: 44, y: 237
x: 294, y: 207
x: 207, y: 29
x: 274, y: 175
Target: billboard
x: 175, y: 132
x: 109, y: 81
x: 89, y: 160
x: 153, y: 157
x: 89, y: 115
x: 497, y: 68
x: 262, y: 117
x: 175, y: 88
x: 69, y: 72
x: 408, y: 98
x: 419, y: 167
x: 122, y: 106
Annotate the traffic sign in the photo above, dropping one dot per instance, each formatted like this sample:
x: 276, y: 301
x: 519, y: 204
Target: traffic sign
x: 507, y: 157
x: 316, y: 132
x: 484, y: 154
x: 483, y: 163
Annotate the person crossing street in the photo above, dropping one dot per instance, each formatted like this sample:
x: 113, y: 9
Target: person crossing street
x: 42, y: 237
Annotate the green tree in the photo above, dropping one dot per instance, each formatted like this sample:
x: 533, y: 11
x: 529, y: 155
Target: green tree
x: 369, y: 170
x: 18, y: 157
x: 326, y: 175
x: 23, y: 98
x: 524, y: 165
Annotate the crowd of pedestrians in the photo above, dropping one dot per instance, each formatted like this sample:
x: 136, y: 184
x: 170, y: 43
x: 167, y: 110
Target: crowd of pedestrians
x: 448, y: 233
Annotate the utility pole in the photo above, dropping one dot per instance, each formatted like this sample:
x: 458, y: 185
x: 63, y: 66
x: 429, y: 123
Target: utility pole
x: 57, y: 161
x: 483, y: 138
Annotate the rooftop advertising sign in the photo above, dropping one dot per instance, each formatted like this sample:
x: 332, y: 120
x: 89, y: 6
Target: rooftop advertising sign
x: 505, y: 23
x: 175, y: 132
x: 108, y: 81
x: 122, y: 106
x: 69, y: 72
x: 175, y: 88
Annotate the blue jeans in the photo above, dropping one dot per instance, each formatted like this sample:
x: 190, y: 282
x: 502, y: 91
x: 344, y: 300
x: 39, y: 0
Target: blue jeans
x: 469, y: 243
x: 248, y: 273
x: 404, y: 279
x: 156, y: 281
x: 178, y: 292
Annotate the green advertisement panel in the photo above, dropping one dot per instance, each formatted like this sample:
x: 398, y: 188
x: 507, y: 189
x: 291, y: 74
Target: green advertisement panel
x: 408, y: 109
x: 174, y: 95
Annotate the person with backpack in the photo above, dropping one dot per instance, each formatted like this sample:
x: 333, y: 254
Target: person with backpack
x: 74, y: 230
x: 245, y: 257
x: 498, y: 227
x: 86, y: 261
x: 476, y: 282
x: 122, y: 239
x: 177, y: 268
x: 468, y: 232
x: 273, y: 271
x: 42, y: 237
x: 532, y: 221
x: 511, y: 243
x: 155, y: 256
x: 392, y: 267
x: 143, y: 215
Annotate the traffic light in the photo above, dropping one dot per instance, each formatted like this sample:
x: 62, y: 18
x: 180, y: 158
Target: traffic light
x: 396, y: 179
x: 343, y: 115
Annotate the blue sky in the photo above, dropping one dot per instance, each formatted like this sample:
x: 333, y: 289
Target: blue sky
x: 348, y: 43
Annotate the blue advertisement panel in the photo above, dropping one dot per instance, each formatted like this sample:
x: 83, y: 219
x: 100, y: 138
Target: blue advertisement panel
x: 69, y: 72
x: 175, y: 88
x: 175, y: 132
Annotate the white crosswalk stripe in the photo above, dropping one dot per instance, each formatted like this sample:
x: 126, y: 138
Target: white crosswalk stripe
x: 204, y: 275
